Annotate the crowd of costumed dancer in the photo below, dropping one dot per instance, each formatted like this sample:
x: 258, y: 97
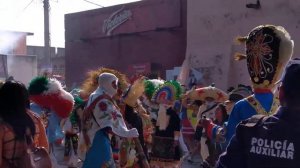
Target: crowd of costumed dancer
x: 112, y: 122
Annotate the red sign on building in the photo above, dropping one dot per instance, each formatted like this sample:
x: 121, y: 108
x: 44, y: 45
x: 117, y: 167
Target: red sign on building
x: 140, y: 68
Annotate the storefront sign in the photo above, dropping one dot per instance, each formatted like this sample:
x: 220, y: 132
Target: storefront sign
x: 115, y: 20
x: 140, y: 68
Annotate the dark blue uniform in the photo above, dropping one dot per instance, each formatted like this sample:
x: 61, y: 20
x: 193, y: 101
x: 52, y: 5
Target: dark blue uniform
x: 265, y: 142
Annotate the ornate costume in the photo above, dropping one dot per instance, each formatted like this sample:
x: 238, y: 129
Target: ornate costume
x: 122, y: 147
x: 268, y: 49
x: 49, y: 93
x: 133, y: 152
x: 211, y: 96
x: 52, y: 103
x: 150, y: 87
x: 72, y: 128
x: 165, y: 146
x: 102, y: 117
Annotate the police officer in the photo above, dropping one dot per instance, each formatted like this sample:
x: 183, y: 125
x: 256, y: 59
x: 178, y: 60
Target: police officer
x: 272, y: 141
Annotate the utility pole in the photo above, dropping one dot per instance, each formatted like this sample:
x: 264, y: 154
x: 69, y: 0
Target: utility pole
x: 47, y: 52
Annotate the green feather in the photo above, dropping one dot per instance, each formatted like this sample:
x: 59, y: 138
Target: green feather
x: 74, y: 118
x: 177, y: 87
x: 149, y: 88
x: 38, y: 85
x: 78, y: 101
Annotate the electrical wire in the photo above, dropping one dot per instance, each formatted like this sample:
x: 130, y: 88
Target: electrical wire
x: 93, y: 3
x: 27, y: 5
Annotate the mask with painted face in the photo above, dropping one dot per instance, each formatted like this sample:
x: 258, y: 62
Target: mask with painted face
x: 108, y: 83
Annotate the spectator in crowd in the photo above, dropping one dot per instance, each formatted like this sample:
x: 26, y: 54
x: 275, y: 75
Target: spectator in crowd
x: 18, y: 124
x: 188, y: 124
x: 216, y: 148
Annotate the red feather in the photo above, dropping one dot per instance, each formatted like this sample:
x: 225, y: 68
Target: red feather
x: 55, y: 102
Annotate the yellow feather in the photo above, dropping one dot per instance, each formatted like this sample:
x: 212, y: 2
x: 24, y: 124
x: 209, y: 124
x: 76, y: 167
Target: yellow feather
x: 239, y: 56
x: 241, y: 40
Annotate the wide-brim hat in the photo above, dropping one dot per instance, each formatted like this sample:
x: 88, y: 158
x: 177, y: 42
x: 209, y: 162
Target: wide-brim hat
x: 208, y: 92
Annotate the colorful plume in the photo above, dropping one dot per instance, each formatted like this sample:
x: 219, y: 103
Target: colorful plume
x: 49, y: 93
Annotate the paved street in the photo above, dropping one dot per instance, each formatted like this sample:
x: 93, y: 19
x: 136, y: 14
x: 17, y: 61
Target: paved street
x: 59, y: 155
x: 196, y: 162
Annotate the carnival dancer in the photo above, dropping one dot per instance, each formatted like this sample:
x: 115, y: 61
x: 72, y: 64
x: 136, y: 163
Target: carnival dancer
x: 216, y: 148
x: 180, y: 108
x: 136, y: 117
x: 71, y: 128
x: 123, y: 148
x: 131, y: 152
x: 268, y: 49
x: 91, y: 84
x: 102, y: 118
x: 211, y: 96
x: 52, y: 103
x: 188, y: 116
x: 165, y: 146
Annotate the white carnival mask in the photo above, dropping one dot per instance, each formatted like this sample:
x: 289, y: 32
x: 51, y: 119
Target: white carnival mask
x: 108, y: 83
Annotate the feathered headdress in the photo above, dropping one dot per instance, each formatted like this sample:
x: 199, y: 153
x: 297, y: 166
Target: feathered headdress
x: 169, y: 91
x: 48, y: 93
x: 91, y: 82
x: 151, y: 86
x: 135, y: 91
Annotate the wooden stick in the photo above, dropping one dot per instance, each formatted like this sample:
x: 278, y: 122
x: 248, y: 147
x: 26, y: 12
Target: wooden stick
x: 141, y: 153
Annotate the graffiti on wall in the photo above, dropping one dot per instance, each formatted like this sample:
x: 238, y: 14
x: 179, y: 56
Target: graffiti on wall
x: 207, y: 71
x: 204, y: 75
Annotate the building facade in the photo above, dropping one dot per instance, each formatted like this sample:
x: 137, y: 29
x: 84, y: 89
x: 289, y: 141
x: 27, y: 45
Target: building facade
x: 146, y: 37
x: 13, y: 42
x: 157, y: 35
x: 15, y: 61
x: 57, y: 59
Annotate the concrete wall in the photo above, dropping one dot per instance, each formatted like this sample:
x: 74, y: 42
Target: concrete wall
x: 57, y: 58
x: 213, y: 25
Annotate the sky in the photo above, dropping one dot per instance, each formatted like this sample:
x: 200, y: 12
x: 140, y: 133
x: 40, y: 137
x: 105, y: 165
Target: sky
x: 28, y: 16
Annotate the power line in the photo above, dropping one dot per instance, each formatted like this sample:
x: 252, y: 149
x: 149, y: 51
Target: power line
x: 93, y: 3
x: 28, y: 5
